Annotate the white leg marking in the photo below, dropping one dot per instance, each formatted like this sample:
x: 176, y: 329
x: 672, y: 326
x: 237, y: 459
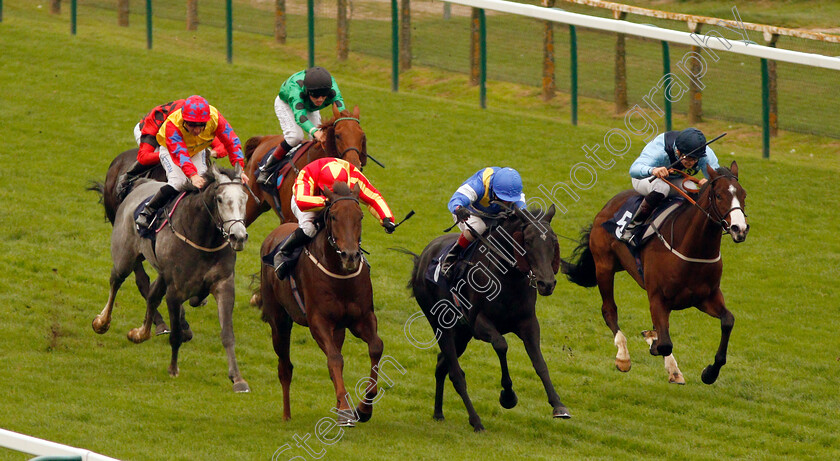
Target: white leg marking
x: 621, y: 343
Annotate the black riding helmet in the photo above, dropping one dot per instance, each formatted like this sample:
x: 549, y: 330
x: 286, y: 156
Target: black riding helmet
x: 691, y: 143
x: 317, y: 81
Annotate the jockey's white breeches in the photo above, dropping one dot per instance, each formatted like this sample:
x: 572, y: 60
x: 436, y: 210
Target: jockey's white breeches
x: 306, y: 219
x: 292, y: 132
x: 175, y: 177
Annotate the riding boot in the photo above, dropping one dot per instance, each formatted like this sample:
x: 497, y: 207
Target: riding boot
x: 270, y: 166
x: 147, y: 215
x: 126, y: 179
x: 450, y: 260
x: 650, y: 202
x: 282, y: 259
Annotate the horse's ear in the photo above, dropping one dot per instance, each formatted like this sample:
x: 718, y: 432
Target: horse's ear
x: 217, y: 175
x: 355, y: 111
x: 734, y: 169
x: 712, y: 173
x: 555, y: 262
x: 336, y: 114
x: 550, y: 214
x: 357, y: 189
x: 329, y: 194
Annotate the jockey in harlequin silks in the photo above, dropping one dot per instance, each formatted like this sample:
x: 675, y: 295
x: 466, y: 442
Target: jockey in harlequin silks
x: 308, y: 199
x: 182, y: 138
x: 297, y: 106
x: 684, y: 150
x: 145, y: 134
x: 488, y: 185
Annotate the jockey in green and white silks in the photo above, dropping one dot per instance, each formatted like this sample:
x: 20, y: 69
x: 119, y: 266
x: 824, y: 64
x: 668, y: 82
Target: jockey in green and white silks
x: 684, y: 150
x: 297, y: 107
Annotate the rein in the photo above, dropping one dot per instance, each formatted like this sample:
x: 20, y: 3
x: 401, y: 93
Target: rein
x: 331, y: 241
x: 219, y: 225
x: 720, y: 220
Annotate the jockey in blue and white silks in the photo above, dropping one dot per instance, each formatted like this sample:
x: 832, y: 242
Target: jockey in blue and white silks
x: 491, y: 184
x: 684, y: 150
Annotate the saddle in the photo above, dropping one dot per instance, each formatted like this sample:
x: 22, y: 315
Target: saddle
x: 286, y: 164
x: 161, y: 216
x: 615, y: 225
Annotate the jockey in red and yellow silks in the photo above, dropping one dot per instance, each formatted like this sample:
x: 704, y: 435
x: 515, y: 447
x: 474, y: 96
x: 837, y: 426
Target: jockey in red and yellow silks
x: 183, y: 137
x: 308, y: 198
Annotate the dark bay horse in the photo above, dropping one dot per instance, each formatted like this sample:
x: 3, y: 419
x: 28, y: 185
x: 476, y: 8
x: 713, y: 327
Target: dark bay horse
x: 194, y: 256
x: 333, y: 282
x: 498, y: 297
x: 345, y: 140
x: 681, y: 269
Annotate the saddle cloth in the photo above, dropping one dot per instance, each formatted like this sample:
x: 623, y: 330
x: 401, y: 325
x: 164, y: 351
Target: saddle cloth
x: 277, y: 176
x: 615, y: 225
x: 161, y: 216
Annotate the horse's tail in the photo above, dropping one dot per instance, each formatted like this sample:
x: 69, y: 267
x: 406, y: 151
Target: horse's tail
x: 98, y: 187
x: 413, y: 269
x: 580, y: 268
x: 250, y: 146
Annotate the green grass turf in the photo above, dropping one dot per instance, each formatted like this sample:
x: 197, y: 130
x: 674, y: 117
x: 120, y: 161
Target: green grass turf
x: 68, y: 106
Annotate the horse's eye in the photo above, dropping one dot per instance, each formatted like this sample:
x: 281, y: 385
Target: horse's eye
x: 337, y: 136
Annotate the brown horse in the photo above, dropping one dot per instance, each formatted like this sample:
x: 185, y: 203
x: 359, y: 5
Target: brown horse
x: 335, y: 289
x: 345, y: 140
x: 682, y: 268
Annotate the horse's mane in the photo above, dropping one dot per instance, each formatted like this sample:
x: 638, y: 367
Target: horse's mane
x: 329, y: 132
x: 722, y: 171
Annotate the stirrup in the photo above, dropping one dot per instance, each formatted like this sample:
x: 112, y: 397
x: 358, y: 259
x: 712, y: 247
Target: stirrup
x: 627, y: 233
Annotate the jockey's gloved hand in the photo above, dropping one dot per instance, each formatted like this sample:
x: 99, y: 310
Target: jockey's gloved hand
x: 388, y: 224
x: 462, y: 213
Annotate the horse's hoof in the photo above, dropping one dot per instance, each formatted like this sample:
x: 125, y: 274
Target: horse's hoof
x: 508, y: 399
x: 710, y: 374
x: 364, y: 417
x: 136, y: 335
x: 623, y: 365
x: 649, y: 335
x: 561, y: 412
x: 345, y: 422
x: 173, y: 372
x: 256, y: 299
x: 186, y: 335
x: 195, y: 301
x: 99, y: 326
x: 241, y: 387
x: 676, y: 378
x: 478, y: 428
x: 161, y: 329
x: 438, y: 417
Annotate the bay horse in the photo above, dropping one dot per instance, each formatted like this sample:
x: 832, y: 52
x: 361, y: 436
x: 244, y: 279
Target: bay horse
x: 344, y: 139
x: 498, y: 297
x: 195, y: 256
x: 333, y: 284
x: 680, y: 269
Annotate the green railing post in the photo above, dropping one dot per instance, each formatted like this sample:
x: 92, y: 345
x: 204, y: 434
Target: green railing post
x: 666, y: 71
x: 395, y: 47
x: 73, y: 17
x: 229, y: 19
x: 482, y: 34
x: 149, y: 24
x: 573, y: 71
x: 1, y: 10
x: 765, y: 107
x: 310, y: 12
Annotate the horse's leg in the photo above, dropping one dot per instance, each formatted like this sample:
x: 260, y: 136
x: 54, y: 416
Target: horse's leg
x: 323, y: 332
x: 155, y: 294
x: 605, y: 275
x: 659, y: 314
x: 223, y: 291
x: 529, y: 333
x: 715, y: 307
x: 485, y: 331
x: 281, y: 331
x: 442, y: 369
x: 173, y: 303
x: 141, y: 278
x: 102, y: 322
x: 675, y: 376
x: 456, y: 375
x: 365, y: 329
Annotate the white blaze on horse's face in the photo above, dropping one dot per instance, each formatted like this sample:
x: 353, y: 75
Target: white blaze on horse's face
x: 230, y: 201
x: 738, y: 226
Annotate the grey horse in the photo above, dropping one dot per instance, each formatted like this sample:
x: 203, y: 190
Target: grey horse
x: 194, y: 255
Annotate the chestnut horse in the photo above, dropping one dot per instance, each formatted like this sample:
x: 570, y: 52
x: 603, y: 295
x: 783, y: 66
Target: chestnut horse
x: 345, y: 140
x: 333, y: 283
x: 680, y: 269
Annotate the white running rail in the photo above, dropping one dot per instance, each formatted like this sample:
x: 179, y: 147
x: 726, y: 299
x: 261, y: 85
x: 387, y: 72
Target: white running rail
x: 39, y: 447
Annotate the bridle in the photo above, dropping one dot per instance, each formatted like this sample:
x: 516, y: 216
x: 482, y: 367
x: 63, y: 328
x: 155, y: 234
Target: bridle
x: 719, y: 218
x: 219, y: 223
x: 352, y: 148
x: 328, y: 227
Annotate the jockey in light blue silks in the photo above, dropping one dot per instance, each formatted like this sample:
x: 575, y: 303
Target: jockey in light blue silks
x: 688, y: 147
x: 491, y: 184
